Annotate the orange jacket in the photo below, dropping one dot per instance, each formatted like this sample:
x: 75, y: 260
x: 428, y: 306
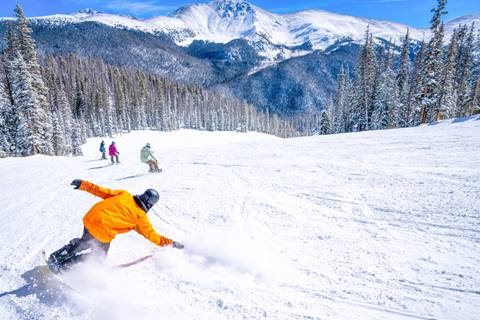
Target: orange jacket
x: 117, y: 213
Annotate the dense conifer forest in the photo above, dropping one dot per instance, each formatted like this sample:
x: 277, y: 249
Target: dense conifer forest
x: 50, y: 104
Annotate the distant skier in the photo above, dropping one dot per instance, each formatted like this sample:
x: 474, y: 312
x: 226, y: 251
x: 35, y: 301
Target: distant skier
x: 118, y: 212
x: 146, y: 156
x: 103, y: 150
x: 113, y: 153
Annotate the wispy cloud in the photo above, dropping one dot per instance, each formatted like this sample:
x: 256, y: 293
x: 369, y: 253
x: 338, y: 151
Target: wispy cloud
x: 139, y: 8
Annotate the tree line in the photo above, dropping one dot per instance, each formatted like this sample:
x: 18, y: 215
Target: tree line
x: 52, y: 104
x: 388, y: 91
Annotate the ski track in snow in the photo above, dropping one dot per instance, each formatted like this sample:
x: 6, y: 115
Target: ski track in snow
x: 372, y: 225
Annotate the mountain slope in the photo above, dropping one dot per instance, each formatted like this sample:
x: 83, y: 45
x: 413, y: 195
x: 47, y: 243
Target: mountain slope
x: 472, y: 19
x: 372, y: 225
x: 268, y: 59
x: 296, y: 85
x: 222, y: 21
x: 153, y: 53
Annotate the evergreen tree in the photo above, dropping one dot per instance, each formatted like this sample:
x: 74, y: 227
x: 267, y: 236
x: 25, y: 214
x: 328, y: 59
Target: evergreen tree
x: 463, y: 71
x: 429, y: 90
x: 338, y: 124
x: 324, y: 123
x: 76, y: 141
x: 27, y: 49
x: 58, y: 135
x: 447, y: 99
x: 5, y: 116
x: 364, y: 79
x: 66, y: 118
x: 380, y: 115
x: 475, y: 104
x: 413, y: 104
x: 29, y: 116
x: 383, y: 92
x: 403, y: 84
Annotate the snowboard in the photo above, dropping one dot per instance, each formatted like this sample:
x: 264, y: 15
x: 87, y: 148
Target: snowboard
x: 117, y: 266
x: 129, y: 264
x: 48, y: 273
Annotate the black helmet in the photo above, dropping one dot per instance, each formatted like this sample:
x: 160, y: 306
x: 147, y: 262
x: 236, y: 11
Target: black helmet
x: 147, y: 199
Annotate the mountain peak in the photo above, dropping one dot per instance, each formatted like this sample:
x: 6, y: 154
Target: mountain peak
x: 232, y: 8
x: 88, y: 12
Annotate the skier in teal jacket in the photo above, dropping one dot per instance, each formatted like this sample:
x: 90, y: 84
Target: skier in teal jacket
x: 146, y: 156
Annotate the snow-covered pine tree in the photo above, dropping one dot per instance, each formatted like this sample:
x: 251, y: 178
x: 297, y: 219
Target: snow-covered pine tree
x: 403, y: 84
x: 5, y: 115
x: 76, y: 141
x: 380, y: 114
x: 244, y: 117
x: 267, y: 120
x: 331, y: 115
x: 27, y: 49
x: 28, y: 139
x: 28, y: 118
x: 79, y: 103
x: 364, y: 78
x: 58, y: 134
x: 68, y: 122
x: 448, y: 94
x: 340, y: 101
x: 110, y: 118
x: 475, y: 104
x: 429, y: 89
x: 414, y: 97
x: 346, y: 121
x: 385, y: 103
x: 463, y: 77
x: 325, y: 125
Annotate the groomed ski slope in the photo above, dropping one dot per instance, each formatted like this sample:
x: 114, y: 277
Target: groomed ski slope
x: 372, y: 225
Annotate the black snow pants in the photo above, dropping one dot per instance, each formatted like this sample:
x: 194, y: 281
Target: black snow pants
x: 77, y: 250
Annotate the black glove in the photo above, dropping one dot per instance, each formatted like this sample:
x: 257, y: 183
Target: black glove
x: 177, y: 245
x: 76, y: 183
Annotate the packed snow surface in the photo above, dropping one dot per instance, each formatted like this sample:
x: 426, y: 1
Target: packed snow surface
x: 372, y: 225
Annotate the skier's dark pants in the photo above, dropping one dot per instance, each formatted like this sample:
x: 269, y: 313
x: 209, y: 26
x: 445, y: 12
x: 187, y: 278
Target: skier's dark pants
x: 153, y: 164
x: 104, y: 156
x: 88, y: 241
x: 72, y: 253
x: 114, y: 157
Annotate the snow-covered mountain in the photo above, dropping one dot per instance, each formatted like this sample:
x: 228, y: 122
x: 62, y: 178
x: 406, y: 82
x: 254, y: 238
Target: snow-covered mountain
x: 272, y: 34
x: 241, y: 52
x: 224, y: 20
x: 464, y: 20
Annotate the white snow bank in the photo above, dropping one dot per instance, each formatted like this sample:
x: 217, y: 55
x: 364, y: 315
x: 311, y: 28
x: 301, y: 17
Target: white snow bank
x: 371, y: 225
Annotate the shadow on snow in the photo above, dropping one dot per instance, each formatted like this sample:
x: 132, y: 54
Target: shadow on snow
x: 38, y: 282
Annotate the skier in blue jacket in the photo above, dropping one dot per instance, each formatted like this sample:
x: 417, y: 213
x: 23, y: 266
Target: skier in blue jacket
x: 103, y: 150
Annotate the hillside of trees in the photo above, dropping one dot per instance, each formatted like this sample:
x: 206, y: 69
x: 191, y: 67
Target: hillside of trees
x: 52, y: 104
x: 387, y: 91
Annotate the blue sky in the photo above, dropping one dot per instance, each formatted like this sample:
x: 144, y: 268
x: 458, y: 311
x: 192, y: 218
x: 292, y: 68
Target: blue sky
x: 412, y: 12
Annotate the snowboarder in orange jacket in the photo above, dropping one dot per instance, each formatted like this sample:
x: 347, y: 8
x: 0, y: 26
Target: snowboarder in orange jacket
x: 118, y: 212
